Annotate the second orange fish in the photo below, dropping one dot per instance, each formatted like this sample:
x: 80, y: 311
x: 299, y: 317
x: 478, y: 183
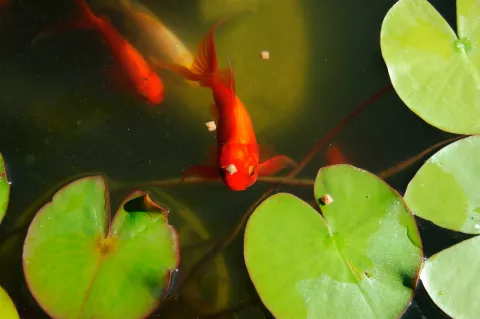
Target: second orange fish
x: 131, y: 72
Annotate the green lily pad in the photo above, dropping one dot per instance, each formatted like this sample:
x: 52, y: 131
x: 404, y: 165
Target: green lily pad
x: 4, y: 189
x: 433, y: 71
x: 7, y: 308
x: 361, y: 260
x: 450, y: 278
x: 444, y: 190
x: 77, y: 266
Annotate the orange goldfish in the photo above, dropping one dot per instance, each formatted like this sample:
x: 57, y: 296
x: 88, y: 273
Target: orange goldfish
x: 131, y: 71
x: 237, y: 158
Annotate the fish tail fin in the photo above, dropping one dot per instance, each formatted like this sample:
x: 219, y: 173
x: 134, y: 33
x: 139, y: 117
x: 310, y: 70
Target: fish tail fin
x: 227, y: 77
x: 84, y: 20
x: 204, y: 68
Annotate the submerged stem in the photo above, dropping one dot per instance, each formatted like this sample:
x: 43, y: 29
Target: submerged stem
x: 189, y: 181
x: 409, y: 162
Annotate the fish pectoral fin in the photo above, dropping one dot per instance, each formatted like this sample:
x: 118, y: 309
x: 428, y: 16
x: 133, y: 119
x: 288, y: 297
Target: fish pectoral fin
x: 203, y: 172
x: 266, y: 152
x: 275, y: 165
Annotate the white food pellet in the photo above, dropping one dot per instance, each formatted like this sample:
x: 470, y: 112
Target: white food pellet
x: 265, y: 55
x: 211, y: 126
x: 231, y: 169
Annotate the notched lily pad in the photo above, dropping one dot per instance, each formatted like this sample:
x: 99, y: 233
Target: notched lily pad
x: 360, y: 260
x: 78, y: 266
x: 4, y: 189
x: 434, y: 72
x: 444, y: 190
x: 450, y: 278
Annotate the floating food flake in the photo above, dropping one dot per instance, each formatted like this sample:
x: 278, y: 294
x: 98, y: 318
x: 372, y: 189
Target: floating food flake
x: 265, y: 55
x: 231, y: 169
x: 211, y: 126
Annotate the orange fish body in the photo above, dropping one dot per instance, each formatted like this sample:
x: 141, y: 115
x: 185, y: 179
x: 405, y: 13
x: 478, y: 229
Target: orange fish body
x: 132, y: 71
x: 238, y: 158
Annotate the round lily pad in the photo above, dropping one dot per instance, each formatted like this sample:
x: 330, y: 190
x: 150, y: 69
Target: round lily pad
x: 360, y: 260
x: 4, y: 189
x: 450, y: 278
x: 7, y: 308
x: 434, y: 72
x: 444, y: 190
x: 78, y: 266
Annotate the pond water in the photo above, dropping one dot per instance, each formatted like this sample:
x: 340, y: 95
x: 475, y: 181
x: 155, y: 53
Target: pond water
x: 60, y: 120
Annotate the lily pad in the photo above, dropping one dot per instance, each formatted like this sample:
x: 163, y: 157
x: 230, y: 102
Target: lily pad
x: 434, y: 72
x: 444, y: 190
x: 4, y: 189
x: 360, y: 260
x: 7, y: 308
x: 78, y: 266
x: 450, y: 278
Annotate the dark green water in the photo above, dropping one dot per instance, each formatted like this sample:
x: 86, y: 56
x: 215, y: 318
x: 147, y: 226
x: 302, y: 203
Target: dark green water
x: 59, y: 120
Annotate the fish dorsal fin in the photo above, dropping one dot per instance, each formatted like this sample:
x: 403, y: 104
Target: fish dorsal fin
x: 205, y: 62
x: 227, y: 77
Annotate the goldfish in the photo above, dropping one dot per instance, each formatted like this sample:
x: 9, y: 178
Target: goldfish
x: 131, y: 71
x: 335, y: 155
x: 159, y: 39
x: 237, y: 152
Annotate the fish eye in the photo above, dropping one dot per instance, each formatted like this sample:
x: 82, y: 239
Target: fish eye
x: 251, y: 170
x: 145, y: 78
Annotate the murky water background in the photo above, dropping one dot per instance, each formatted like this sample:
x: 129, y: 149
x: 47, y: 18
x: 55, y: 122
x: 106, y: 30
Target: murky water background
x: 59, y: 119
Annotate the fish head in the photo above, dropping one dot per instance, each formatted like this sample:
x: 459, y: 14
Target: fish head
x: 238, y: 166
x: 152, y: 89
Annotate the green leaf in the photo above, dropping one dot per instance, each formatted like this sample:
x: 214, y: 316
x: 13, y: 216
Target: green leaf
x: 361, y: 260
x: 78, y: 267
x: 450, y: 279
x: 4, y: 189
x: 433, y: 71
x: 7, y: 308
x: 444, y: 190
